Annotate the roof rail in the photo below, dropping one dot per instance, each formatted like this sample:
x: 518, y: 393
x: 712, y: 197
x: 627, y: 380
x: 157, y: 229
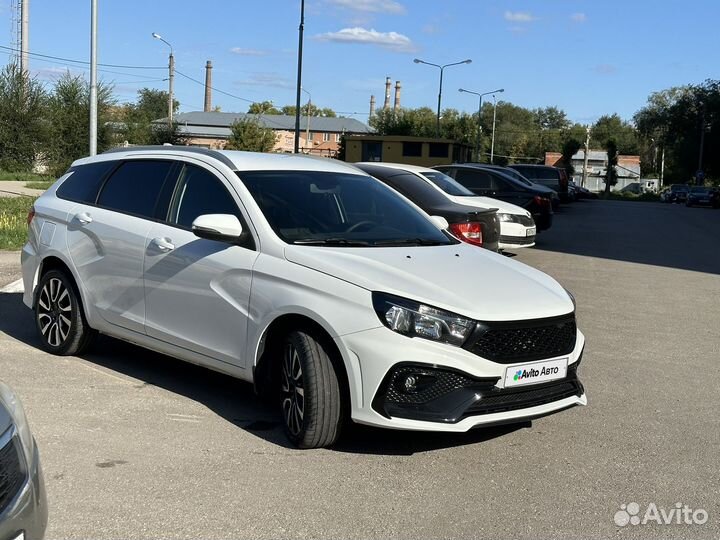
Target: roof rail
x: 170, y: 148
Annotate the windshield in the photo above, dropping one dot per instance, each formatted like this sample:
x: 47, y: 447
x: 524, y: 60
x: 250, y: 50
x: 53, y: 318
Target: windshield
x: 447, y: 184
x: 337, y: 209
x: 701, y: 190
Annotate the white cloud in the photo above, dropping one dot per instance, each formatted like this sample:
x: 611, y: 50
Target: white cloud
x: 271, y: 79
x: 249, y: 52
x: 578, y: 17
x: 519, y: 16
x: 362, y: 36
x: 372, y: 6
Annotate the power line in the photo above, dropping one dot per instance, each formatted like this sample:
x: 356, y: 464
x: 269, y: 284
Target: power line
x: 84, y: 62
x: 214, y: 89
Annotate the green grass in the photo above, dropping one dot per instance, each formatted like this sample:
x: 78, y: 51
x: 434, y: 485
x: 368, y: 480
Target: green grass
x: 39, y: 185
x: 24, y: 177
x: 13, y: 221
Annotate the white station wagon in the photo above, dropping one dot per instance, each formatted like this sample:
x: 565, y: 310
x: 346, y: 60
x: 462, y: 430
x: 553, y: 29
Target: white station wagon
x: 321, y: 285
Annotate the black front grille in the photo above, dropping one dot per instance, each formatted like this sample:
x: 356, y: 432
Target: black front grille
x: 521, y: 341
x: 443, y: 383
x: 524, y: 397
x: 517, y: 240
x: 12, y: 474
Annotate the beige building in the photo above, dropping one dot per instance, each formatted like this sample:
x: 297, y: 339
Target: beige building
x: 410, y: 150
x: 320, y: 137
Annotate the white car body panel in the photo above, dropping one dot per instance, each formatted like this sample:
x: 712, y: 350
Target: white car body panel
x: 211, y: 303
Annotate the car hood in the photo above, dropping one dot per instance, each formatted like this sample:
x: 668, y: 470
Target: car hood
x: 461, y: 278
x: 5, y: 419
x: 488, y: 202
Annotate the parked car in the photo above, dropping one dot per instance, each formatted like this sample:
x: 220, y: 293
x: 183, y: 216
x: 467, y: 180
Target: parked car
x: 23, y: 501
x: 553, y: 177
x: 330, y: 291
x: 517, y: 228
x: 582, y: 192
x: 549, y: 193
x: 491, y: 183
x: 701, y: 196
x: 676, y: 193
x: 478, y: 226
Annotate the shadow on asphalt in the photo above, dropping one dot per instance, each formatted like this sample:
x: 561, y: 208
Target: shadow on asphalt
x: 230, y: 398
x: 657, y: 234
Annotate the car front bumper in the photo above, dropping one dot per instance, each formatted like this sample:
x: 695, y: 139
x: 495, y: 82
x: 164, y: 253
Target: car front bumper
x: 27, y: 515
x: 380, y: 352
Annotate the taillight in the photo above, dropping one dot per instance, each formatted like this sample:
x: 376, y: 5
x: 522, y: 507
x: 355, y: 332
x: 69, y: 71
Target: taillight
x: 542, y: 201
x: 468, y: 232
x: 31, y: 215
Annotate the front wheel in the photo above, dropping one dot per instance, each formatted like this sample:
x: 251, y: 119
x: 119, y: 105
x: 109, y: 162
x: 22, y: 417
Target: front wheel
x: 310, y: 397
x: 59, y: 317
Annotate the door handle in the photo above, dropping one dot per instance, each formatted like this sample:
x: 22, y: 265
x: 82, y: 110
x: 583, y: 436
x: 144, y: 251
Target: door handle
x: 163, y: 244
x: 84, y: 218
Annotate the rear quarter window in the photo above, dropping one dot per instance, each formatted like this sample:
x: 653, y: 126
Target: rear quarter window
x: 84, y: 182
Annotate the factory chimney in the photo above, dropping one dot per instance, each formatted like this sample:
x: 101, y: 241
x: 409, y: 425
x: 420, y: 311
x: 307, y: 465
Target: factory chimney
x: 372, y: 106
x: 388, y: 85
x: 208, y: 87
x: 396, y: 106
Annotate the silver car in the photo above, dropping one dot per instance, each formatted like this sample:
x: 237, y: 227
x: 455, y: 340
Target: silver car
x: 23, y: 503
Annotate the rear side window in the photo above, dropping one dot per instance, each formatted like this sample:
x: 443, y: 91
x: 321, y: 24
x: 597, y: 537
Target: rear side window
x: 134, y: 187
x: 474, y: 179
x: 200, y: 192
x: 84, y: 183
x: 417, y: 190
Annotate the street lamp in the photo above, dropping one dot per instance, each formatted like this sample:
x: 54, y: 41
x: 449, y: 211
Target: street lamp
x: 480, y: 95
x: 307, y: 122
x: 441, y: 68
x: 171, y: 79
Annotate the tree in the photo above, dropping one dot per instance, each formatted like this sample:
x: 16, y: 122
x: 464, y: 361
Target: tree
x: 145, y: 122
x: 612, y: 127
x: 569, y: 148
x: 153, y: 104
x: 265, y: 107
x: 611, y: 171
x: 22, y: 129
x: 314, y: 111
x: 69, y: 121
x: 249, y: 135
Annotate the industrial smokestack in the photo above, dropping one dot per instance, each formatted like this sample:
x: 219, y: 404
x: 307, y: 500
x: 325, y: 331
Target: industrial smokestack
x: 388, y: 85
x: 372, y: 105
x: 208, y: 86
x: 396, y: 106
x: 24, y: 34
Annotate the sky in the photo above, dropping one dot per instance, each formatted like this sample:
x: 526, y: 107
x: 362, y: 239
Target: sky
x: 586, y: 57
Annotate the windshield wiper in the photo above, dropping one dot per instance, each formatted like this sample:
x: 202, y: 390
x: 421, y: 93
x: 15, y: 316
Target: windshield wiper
x: 331, y: 242
x: 409, y: 242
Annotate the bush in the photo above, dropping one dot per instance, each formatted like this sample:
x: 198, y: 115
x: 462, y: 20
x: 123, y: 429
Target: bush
x: 13, y: 221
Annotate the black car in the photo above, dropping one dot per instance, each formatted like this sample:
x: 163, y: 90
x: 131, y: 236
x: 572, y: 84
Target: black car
x: 493, y: 183
x: 702, y: 196
x: 678, y: 193
x: 478, y: 227
x: 551, y: 193
x: 553, y: 177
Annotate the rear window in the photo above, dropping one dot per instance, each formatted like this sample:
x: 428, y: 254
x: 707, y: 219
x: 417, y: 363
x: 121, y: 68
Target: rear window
x: 538, y: 173
x: 134, y: 188
x: 84, y: 182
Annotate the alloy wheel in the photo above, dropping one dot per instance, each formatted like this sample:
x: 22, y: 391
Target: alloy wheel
x: 292, y: 390
x: 54, y: 311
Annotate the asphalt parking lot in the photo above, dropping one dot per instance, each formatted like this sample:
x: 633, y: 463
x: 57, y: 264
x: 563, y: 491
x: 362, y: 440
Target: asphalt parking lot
x: 137, y: 445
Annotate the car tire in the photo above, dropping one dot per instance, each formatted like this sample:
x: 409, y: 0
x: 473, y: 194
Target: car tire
x: 59, y: 315
x: 310, y: 396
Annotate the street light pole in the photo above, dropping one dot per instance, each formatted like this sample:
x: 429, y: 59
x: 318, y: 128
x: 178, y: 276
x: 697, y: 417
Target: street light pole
x: 307, y: 122
x: 479, y: 131
x: 171, y: 78
x: 93, y: 77
x: 442, y: 69
x: 301, y: 29
x: 492, y: 144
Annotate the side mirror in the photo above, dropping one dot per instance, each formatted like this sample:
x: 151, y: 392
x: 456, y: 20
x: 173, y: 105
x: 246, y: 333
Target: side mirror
x: 440, y: 222
x: 221, y: 227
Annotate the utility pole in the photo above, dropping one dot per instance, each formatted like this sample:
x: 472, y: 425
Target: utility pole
x: 587, y: 152
x: 492, y: 144
x: 24, y: 35
x: 93, y: 77
x: 299, y: 76
x: 171, y: 78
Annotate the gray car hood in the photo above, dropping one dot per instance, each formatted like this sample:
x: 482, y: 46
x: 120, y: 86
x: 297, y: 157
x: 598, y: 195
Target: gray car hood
x: 461, y: 278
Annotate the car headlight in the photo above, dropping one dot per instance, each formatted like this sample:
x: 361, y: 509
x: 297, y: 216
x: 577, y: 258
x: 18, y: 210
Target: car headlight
x: 572, y: 298
x: 419, y: 320
x: 505, y: 217
x: 17, y: 413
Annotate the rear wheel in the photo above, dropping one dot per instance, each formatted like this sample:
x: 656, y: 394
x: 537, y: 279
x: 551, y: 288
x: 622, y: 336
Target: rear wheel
x: 310, y: 397
x: 59, y: 317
